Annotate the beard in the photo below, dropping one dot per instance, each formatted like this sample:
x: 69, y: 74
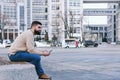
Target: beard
x: 36, y: 32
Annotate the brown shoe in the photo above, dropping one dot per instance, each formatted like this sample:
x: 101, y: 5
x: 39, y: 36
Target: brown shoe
x: 44, y: 76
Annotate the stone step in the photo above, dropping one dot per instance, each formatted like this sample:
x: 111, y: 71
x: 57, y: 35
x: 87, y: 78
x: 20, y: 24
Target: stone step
x: 16, y: 70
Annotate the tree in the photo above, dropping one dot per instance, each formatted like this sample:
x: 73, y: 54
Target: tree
x: 3, y: 22
x: 46, y: 36
x: 67, y: 30
x: 37, y: 38
x: 71, y: 23
x: 54, y: 39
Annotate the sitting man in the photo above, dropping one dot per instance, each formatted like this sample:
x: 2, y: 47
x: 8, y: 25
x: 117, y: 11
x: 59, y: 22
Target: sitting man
x: 23, y: 49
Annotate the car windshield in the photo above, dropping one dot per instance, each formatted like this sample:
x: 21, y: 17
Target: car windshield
x: 89, y: 41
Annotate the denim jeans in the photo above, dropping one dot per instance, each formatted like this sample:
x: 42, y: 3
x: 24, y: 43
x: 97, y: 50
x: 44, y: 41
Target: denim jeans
x: 32, y: 58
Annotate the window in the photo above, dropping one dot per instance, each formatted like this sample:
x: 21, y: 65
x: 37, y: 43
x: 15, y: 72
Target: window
x: 74, y: 3
x: 40, y: 2
x: 55, y: 0
x: 10, y: 11
x: 40, y: 17
x: 55, y: 7
x: 40, y: 10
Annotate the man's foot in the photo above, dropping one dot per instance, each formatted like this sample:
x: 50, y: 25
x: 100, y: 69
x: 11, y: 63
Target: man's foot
x: 44, y: 76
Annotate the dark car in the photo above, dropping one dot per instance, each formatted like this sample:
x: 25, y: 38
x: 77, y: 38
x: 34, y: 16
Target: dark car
x: 90, y: 43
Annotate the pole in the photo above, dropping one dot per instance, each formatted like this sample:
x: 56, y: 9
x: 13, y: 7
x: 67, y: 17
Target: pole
x: 81, y: 28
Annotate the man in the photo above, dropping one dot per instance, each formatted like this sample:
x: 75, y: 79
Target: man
x: 23, y: 49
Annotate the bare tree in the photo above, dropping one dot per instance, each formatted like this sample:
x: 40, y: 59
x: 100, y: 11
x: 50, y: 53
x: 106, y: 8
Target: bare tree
x: 71, y: 23
x: 67, y: 30
x: 2, y: 24
x: 4, y: 21
x: 81, y: 28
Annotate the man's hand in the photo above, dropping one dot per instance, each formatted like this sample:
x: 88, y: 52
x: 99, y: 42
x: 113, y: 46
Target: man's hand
x: 45, y: 53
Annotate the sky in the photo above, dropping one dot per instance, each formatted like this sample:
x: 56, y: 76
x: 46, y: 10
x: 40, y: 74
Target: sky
x: 92, y: 19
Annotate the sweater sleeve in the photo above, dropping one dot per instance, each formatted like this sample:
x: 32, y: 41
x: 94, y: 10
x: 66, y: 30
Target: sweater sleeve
x: 30, y: 44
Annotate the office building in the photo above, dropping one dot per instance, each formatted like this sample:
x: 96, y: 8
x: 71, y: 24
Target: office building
x: 11, y: 18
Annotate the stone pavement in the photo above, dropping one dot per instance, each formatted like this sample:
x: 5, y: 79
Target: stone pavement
x: 102, y: 63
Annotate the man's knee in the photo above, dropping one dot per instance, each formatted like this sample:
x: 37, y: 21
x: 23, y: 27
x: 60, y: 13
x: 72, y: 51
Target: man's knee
x: 37, y: 58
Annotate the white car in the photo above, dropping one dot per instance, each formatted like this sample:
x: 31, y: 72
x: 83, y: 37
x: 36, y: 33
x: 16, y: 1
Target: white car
x: 2, y: 45
x: 5, y: 43
x: 41, y: 44
x: 71, y: 45
x: 68, y: 45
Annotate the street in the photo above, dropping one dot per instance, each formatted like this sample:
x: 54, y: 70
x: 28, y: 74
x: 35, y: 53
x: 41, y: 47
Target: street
x: 101, y: 63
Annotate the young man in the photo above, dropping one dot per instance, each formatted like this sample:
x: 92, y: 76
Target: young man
x: 23, y: 49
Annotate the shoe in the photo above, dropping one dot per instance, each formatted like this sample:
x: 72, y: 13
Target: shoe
x: 44, y: 76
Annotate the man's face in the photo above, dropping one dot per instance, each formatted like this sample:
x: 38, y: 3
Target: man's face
x: 37, y: 29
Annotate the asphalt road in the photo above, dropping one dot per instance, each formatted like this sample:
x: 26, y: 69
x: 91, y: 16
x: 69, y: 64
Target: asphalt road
x: 101, y: 63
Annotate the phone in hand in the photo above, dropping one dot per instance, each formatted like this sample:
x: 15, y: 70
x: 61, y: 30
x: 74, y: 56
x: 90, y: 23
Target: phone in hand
x: 50, y: 51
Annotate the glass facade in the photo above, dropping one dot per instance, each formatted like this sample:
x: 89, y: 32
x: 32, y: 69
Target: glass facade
x: 74, y: 3
x: 10, y: 12
x: 40, y: 13
x: 29, y: 13
x: 22, y: 24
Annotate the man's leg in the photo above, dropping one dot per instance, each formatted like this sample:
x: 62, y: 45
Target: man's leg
x: 32, y: 58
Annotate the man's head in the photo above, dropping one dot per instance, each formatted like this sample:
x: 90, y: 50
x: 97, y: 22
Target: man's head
x: 36, y: 26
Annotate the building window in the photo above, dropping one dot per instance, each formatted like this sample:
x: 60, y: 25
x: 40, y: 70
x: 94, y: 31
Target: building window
x: 55, y: 7
x: 74, y: 3
x: 55, y: 0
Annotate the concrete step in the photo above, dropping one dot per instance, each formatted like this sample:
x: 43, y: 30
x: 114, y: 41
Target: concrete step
x: 17, y: 71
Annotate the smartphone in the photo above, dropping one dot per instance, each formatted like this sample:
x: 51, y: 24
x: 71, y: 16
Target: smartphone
x: 50, y: 51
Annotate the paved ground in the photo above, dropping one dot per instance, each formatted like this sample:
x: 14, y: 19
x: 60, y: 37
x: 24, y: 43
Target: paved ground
x: 102, y: 63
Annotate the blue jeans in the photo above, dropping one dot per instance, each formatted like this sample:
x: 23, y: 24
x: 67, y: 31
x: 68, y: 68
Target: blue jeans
x: 32, y: 58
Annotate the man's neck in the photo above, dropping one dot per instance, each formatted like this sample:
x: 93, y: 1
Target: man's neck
x: 32, y: 31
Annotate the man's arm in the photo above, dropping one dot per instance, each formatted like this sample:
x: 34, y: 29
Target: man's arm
x: 31, y: 48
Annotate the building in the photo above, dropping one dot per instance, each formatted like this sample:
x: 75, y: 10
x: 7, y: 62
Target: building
x: 111, y: 31
x: 95, y: 32
x: 118, y: 24
x: 110, y: 27
x: 55, y: 15
x: 74, y: 17
x: 11, y: 18
x: 60, y: 18
x: 56, y: 25
x: 40, y: 13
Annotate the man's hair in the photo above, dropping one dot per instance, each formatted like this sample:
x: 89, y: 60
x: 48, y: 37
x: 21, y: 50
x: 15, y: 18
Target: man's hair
x: 34, y: 23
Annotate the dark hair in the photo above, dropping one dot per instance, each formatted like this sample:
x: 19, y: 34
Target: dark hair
x: 34, y: 23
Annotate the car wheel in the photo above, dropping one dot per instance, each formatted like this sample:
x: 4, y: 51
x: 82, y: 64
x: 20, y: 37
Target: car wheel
x: 86, y: 45
x: 67, y: 47
x: 96, y: 45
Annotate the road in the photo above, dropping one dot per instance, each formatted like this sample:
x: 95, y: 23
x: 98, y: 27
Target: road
x: 101, y: 63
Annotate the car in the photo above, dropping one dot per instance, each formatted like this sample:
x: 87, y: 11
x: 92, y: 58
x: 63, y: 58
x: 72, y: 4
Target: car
x: 41, y: 44
x: 2, y: 46
x: 90, y: 43
x: 5, y: 43
x: 71, y: 45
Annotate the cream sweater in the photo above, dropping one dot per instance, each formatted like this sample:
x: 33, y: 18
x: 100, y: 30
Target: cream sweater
x: 24, y: 42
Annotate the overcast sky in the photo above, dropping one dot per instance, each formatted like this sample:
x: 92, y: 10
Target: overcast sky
x: 92, y: 19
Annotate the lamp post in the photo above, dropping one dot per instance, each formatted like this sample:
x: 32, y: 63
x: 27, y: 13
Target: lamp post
x: 81, y: 28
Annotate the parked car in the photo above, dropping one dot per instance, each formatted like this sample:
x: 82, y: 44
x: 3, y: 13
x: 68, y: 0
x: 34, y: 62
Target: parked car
x: 90, y: 43
x: 7, y: 43
x: 71, y: 45
x: 2, y: 46
x: 41, y: 44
